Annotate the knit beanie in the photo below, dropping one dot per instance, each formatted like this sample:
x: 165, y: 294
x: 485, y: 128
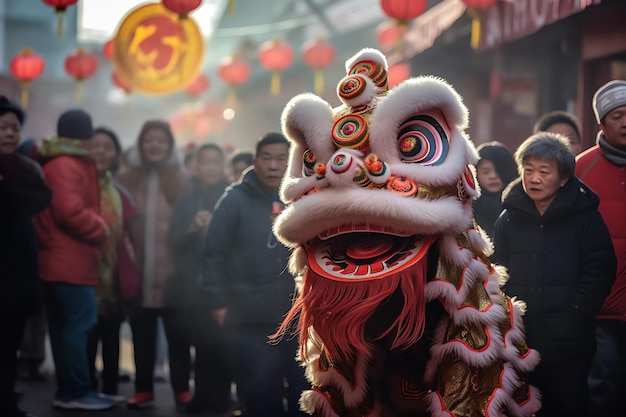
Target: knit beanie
x: 608, y: 97
x: 8, y: 106
x: 75, y: 124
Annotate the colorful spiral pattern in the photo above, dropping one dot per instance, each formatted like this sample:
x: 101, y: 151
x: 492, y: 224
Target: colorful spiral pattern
x: 308, y: 161
x: 371, y: 69
x: 422, y: 140
x: 351, y: 131
x: 351, y: 87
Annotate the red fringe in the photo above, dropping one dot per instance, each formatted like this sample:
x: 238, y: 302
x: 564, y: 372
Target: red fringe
x: 338, y: 311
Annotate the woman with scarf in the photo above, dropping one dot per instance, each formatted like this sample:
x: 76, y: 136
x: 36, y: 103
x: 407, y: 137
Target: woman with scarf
x: 118, y: 275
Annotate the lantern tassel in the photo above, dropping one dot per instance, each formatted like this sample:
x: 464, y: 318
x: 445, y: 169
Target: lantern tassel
x: 275, y: 86
x: 319, y: 81
x: 79, y: 91
x: 59, y: 25
x: 232, y: 96
x: 475, y: 37
x: 231, y: 8
x: 24, y: 93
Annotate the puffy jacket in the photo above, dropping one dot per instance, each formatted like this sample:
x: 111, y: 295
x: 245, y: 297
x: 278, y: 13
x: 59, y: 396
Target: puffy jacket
x: 244, y: 266
x: 609, y: 182
x: 70, y: 230
x: 22, y: 194
x: 186, y: 241
x: 560, y: 263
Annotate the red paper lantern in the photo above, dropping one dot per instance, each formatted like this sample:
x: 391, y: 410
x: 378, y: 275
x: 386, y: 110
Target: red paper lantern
x: 388, y: 34
x: 107, y: 49
x: 275, y: 55
x: 182, y: 7
x: 80, y: 65
x: 318, y: 54
x: 480, y: 4
x: 26, y: 66
x: 233, y: 71
x: 398, y: 73
x: 403, y: 9
x: 59, y: 7
x: 199, y: 86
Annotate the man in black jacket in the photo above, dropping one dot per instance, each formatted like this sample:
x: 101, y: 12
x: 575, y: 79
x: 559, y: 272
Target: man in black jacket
x: 561, y: 262
x: 246, y: 282
x: 23, y: 193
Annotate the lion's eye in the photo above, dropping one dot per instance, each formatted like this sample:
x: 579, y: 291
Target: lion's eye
x: 423, y: 140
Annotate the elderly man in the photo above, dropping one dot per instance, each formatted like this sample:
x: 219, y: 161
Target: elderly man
x: 603, y: 168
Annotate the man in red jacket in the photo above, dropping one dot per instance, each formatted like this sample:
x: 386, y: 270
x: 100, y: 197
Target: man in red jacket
x: 603, y: 168
x: 70, y: 232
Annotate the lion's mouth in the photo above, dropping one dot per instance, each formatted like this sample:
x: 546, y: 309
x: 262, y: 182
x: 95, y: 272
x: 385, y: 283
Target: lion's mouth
x: 364, y: 252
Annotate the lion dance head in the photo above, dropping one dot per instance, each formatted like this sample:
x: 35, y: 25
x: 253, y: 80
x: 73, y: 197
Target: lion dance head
x: 400, y: 312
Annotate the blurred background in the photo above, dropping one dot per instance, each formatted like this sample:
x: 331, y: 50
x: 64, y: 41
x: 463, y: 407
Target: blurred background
x: 511, y: 60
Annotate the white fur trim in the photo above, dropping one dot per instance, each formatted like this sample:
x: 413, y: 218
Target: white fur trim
x: 367, y: 54
x: 351, y: 395
x: 313, y: 401
x: 307, y: 121
x: 306, y: 218
x: 529, y: 407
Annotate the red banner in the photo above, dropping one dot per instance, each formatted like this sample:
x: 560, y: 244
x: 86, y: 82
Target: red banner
x: 514, y: 19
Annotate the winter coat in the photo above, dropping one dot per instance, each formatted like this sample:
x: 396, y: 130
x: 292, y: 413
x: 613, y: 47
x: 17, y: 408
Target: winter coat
x: 70, y: 230
x: 23, y: 193
x: 560, y: 263
x: 609, y: 182
x: 186, y: 242
x: 155, y: 254
x: 244, y: 265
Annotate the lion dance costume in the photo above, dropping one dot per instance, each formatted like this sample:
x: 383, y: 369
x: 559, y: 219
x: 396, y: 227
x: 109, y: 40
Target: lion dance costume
x: 400, y: 313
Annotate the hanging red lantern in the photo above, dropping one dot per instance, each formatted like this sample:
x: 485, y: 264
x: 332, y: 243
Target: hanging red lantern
x: 275, y: 55
x: 475, y: 8
x: 402, y: 11
x: 107, y: 49
x: 199, y: 86
x: 234, y: 72
x: 318, y: 54
x: 182, y: 7
x: 117, y: 81
x: 59, y: 7
x: 26, y: 66
x: 398, y: 73
x: 389, y: 34
x: 80, y: 65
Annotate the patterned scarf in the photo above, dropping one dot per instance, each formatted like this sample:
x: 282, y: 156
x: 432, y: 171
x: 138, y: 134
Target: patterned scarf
x: 55, y: 146
x: 111, y: 212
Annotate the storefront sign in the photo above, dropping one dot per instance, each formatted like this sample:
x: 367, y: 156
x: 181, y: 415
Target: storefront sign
x: 424, y: 30
x: 514, y: 19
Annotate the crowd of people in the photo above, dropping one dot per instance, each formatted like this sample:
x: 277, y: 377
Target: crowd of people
x: 92, y: 235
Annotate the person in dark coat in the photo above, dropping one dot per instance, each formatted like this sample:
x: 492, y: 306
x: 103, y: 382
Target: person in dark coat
x: 561, y: 262
x: 248, y: 287
x: 189, y: 222
x: 23, y: 193
x: 494, y: 171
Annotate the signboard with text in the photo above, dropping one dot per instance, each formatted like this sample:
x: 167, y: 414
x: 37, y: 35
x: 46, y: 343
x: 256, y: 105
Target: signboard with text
x: 510, y: 20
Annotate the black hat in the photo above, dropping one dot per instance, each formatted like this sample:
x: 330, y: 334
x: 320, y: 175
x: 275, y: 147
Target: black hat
x: 8, y: 106
x: 75, y: 124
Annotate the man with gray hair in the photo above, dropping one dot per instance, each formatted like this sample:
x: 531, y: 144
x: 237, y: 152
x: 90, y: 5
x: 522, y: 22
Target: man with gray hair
x: 603, y: 168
